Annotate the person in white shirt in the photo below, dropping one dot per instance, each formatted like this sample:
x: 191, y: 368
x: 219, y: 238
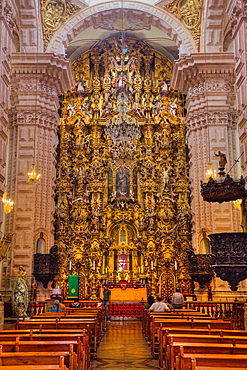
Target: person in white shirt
x: 159, y: 306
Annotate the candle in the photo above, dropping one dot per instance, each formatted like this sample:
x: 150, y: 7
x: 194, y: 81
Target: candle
x: 176, y: 265
x: 152, y: 265
x: 93, y: 265
x: 70, y: 265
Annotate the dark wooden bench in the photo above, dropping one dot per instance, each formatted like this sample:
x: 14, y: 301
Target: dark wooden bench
x: 65, y: 326
x: 215, y: 361
x: 202, y: 348
x: 214, y: 367
x: 156, y: 324
x: 39, y: 358
x: 189, y: 338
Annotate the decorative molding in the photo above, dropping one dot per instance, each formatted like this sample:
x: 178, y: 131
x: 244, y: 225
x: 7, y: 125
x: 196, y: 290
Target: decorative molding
x: 189, y: 13
x: 54, y: 14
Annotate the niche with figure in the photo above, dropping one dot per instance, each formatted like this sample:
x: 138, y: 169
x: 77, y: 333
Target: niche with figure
x: 122, y: 182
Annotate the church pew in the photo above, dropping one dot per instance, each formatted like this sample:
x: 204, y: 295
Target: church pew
x: 202, y: 348
x: 49, y: 346
x: 74, y: 338
x: 39, y: 358
x: 215, y: 361
x: 193, y: 338
x: 173, y: 323
x: 170, y: 315
x: 99, y: 315
x: 66, y: 326
x: 165, y: 332
x: 147, y: 316
x: 194, y: 367
x: 61, y: 366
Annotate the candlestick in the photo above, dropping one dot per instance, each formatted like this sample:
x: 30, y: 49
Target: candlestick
x: 93, y: 265
x: 152, y: 265
x: 176, y: 265
x: 70, y: 265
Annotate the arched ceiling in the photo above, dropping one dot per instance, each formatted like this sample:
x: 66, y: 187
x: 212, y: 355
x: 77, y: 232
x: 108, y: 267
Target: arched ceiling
x: 157, y: 27
x: 151, y: 35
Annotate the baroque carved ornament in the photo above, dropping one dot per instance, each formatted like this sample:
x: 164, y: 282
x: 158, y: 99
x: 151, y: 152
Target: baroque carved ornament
x: 54, y: 13
x: 189, y: 13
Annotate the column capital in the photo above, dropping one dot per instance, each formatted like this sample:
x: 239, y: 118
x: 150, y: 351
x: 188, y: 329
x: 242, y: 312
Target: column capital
x: 196, y: 68
x: 53, y: 68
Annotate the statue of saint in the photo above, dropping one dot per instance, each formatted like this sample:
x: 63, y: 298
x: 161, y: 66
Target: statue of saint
x: 20, y: 294
x: 123, y: 182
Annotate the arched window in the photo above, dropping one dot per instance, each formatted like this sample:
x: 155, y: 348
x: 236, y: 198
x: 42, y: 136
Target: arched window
x: 40, y: 246
x: 205, y: 246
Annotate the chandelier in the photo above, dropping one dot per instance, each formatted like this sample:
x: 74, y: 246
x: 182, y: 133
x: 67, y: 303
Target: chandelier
x: 33, y: 177
x: 122, y: 129
x: 8, y: 204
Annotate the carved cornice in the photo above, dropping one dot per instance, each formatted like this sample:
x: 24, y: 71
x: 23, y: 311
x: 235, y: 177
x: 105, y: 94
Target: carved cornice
x: 196, y: 68
x: 53, y: 69
x: 189, y: 13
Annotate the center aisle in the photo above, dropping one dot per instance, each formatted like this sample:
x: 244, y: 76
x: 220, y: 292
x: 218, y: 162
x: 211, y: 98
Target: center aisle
x: 124, y: 347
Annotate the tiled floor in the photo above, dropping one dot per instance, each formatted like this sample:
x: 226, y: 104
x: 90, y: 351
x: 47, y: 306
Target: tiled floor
x: 124, y: 347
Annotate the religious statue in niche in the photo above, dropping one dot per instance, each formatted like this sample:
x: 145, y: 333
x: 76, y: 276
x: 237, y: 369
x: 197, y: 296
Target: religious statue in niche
x: 123, y: 182
x: 80, y: 88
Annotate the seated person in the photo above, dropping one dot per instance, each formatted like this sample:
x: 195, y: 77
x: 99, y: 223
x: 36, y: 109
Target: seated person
x: 159, y: 306
x: 168, y: 303
x: 76, y: 303
x: 55, y: 307
x: 62, y: 306
x: 100, y: 303
x: 149, y: 303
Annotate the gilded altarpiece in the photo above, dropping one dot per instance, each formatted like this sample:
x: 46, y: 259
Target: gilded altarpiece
x: 122, y: 206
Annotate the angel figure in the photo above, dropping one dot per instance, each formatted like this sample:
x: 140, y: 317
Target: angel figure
x: 165, y: 177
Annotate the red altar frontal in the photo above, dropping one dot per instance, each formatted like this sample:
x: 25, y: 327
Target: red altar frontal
x: 127, y: 292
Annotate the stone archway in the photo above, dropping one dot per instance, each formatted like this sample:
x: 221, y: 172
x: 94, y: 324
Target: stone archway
x: 87, y: 17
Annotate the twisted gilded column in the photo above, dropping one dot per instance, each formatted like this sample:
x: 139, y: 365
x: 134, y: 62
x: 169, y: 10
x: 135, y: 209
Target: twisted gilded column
x: 34, y: 204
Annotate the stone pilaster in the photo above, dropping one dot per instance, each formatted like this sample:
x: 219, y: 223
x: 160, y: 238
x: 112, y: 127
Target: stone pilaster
x: 34, y: 204
x: 237, y: 11
x: 7, y: 38
x: 208, y: 82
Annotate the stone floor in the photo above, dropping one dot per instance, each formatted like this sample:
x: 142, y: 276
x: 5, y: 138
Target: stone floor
x: 124, y: 347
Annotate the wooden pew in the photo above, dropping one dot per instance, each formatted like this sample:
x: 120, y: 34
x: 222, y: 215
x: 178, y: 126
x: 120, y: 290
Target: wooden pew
x: 194, y: 367
x: 182, y: 323
x: 189, y: 338
x: 164, y: 334
x: 215, y: 361
x: 39, y: 358
x: 67, y: 326
x: 61, y: 366
x: 202, y: 348
x: 81, y: 350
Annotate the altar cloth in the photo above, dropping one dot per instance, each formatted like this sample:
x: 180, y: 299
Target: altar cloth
x: 127, y: 293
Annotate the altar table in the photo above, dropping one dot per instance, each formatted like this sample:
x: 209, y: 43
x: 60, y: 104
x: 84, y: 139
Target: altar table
x: 127, y: 292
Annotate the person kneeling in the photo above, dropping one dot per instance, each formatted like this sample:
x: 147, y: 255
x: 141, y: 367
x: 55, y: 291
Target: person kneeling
x: 159, y: 306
